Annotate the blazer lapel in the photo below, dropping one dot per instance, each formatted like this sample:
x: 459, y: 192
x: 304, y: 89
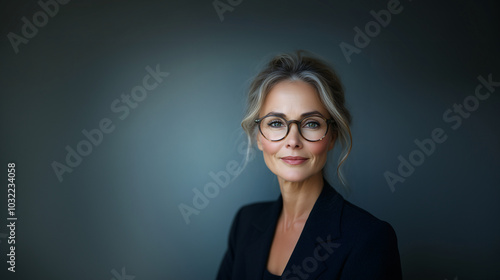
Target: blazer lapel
x: 316, y: 243
x: 258, y: 250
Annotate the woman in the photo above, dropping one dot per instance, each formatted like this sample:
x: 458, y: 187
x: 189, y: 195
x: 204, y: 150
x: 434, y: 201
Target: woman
x: 296, y: 113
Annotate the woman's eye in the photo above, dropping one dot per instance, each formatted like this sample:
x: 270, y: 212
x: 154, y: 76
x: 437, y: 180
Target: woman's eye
x: 312, y: 124
x: 275, y: 123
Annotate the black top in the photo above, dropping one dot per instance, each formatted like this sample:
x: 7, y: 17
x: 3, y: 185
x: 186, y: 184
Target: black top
x: 339, y: 241
x: 269, y: 276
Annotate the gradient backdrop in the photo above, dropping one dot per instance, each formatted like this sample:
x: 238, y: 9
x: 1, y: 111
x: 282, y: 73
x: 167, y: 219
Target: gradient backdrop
x: 117, y: 215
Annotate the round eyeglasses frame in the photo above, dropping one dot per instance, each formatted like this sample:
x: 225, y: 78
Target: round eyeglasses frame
x: 328, y: 122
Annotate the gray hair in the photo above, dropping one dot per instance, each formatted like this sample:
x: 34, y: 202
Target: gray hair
x: 301, y: 66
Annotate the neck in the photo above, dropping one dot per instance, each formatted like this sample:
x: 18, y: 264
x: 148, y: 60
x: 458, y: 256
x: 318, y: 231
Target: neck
x: 299, y: 199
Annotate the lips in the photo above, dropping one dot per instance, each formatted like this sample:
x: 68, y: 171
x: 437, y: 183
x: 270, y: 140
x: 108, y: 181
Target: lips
x: 294, y: 160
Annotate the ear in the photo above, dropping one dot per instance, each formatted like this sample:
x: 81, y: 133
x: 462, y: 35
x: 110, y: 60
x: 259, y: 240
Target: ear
x: 259, y: 144
x: 332, y: 141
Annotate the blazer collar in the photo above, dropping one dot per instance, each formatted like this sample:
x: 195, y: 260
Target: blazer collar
x: 322, y: 227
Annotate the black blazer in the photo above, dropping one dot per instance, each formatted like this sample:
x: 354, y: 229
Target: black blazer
x: 339, y: 241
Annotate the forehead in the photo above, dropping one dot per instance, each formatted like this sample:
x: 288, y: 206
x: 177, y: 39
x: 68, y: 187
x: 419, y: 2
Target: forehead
x: 293, y: 98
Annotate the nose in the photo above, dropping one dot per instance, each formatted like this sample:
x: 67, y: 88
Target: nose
x: 293, y: 139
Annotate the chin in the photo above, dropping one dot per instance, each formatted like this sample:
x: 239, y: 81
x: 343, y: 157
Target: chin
x: 294, y: 176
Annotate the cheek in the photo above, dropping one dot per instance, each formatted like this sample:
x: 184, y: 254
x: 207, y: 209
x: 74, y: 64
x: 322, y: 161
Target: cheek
x: 319, y: 148
x: 268, y: 147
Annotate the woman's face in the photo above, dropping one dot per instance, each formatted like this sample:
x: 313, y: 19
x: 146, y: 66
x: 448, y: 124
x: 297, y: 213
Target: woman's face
x: 293, y: 99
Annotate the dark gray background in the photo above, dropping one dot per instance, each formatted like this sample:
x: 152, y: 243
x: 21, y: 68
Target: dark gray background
x: 119, y: 207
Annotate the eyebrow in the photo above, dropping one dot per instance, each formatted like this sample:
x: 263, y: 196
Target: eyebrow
x: 302, y: 116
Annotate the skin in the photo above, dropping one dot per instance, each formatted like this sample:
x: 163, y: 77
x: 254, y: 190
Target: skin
x: 300, y: 185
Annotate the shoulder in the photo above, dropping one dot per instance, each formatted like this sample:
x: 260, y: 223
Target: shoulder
x: 358, y: 217
x: 348, y: 219
x: 254, y: 212
x: 369, y: 243
x: 364, y: 227
x: 250, y: 221
x: 255, y: 208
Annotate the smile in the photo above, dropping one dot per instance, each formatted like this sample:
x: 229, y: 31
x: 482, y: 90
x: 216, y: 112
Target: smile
x: 294, y: 160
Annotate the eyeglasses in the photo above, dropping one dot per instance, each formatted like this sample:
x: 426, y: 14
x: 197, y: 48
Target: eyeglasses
x: 276, y: 128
